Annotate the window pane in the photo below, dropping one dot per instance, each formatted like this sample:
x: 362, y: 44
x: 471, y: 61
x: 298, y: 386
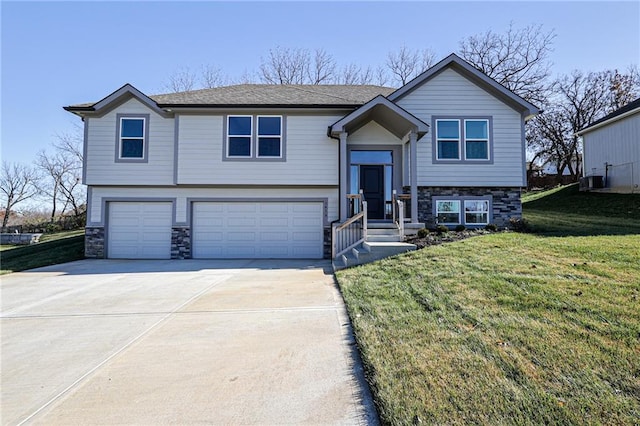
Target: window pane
x: 371, y: 157
x: 132, y: 148
x: 477, y: 150
x: 132, y: 128
x: 476, y: 129
x: 269, y: 147
x: 476, y: 218
x: 448, y: 129
x: 448, y: 206
x: 355, y: 181
x: 240, y: 126
x: 449, y: 218
x: 476, y: 206
x: 269, y: 126
x: 448, y: 150
x: 239, y: 147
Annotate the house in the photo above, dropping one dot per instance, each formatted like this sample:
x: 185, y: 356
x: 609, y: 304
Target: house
x: 299, y: 171
x: 611, y: 150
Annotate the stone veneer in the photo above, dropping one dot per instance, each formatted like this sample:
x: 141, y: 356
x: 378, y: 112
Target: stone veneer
x: 505, y: 202
x: 94, y: 242
x: 181, y: 242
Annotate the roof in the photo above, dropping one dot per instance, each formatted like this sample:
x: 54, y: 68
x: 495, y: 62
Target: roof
x: 478, y: 77
x: 266, y: 95
x: 620, y: 113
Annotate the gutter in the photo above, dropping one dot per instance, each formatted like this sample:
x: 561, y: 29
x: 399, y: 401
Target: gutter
x: 604, y: 123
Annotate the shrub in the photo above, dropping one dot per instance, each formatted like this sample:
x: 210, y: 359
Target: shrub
x: 423, y: 233
x: 491, y: 227
x: 441, y: 229
x: 519, y: 224
x: 460, y: 228
x: 53, y: 227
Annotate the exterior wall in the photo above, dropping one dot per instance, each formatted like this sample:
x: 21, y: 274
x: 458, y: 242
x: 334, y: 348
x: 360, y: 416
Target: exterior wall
x: 372, y: 134
x: 181, y: 196
x: 505, y: 202
x: 451, y: 94
x: 311, y: 156
x: 101, y: 150
x: 616, y: 144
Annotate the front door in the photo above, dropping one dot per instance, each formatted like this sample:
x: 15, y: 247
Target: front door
x: 372, y: 185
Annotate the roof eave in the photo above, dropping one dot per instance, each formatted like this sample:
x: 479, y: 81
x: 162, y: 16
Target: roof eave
x: 607, y: 122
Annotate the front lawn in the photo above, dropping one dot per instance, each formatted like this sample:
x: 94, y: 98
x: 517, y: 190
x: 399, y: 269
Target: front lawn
x: 52, y: 249
x: 507, y: 328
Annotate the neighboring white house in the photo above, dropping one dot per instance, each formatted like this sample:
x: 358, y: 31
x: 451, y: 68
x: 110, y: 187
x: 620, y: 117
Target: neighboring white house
x: 281, y: 171
x: 611, y: 149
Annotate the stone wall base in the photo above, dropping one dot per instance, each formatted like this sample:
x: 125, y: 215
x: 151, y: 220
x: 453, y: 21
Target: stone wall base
x: 505, y: 202
x: 94, y: 242
x: 181, y: 243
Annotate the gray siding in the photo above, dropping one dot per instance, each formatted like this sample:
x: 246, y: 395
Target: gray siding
x: 311, y: 156
x: 101, y: 167
x: 617, y: 144
x: 449, y: 93
x: 181, y: 195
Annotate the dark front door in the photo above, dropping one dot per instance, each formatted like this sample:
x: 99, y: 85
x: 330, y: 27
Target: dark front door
x: 372, y: 185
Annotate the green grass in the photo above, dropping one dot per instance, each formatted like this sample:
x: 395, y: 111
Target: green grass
x: 52, y: 249
x: 508, y: 328
x: 565, y: 211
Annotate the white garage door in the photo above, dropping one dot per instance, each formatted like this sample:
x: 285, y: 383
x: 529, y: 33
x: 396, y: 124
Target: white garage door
x: 139, y: 230
x: 241, y: 230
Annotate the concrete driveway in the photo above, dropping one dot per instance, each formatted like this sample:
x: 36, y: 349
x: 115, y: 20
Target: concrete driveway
x: 181, y: 342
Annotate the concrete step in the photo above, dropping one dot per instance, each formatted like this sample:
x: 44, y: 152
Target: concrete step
x: 371, y: 251
x: 383, y: 231
x: 389, y: 238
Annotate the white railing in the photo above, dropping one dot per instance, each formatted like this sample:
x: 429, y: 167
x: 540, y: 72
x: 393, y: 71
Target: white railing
x: 351, y: 233
x: 398, y: 207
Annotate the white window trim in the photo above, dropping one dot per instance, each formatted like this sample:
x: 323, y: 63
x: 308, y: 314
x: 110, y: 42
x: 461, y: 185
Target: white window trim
x: 258, y: 136
x: 460, y: 218
x: 119, y: 138
x: 476, y: 140
x: 458, y: 139
x: 464, y: 211
x: 462, y: 199
x: 229, y: 136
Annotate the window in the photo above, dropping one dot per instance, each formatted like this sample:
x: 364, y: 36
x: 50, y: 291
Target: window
x: 255, y: 137
x: 476, y: 212
x: 469, y: 211
x: 462, y: 139
x: 239, y: 136
x: 476, y: 139
x: 448, y: 139
x: 448, y: 212
x: 132, y: 134
x: 269, y: 136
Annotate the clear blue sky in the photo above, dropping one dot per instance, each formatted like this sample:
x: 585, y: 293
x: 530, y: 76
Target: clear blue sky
x: 62, y: 53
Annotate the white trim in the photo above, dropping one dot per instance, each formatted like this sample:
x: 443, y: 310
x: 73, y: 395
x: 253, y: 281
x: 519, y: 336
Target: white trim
x: 458, y: 212
x: 250, y: 136
x: 458, y: 139
x: 484, y: 212
x: 609, y: 121
x: 487, y: 140
x: 121, y: 138
x: 258, y: 136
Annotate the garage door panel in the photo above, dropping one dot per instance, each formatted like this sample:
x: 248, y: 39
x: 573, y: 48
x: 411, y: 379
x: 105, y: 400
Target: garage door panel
x: 139, y: 230
x: 257, y: 229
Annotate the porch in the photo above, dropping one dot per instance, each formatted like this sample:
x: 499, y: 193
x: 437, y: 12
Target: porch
x: 378, y: 162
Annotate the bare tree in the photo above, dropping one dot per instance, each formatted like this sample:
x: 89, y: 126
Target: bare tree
x: 517, y: 59
x: 18, y: 184
x: 63, y: 183
x: 355, y: 74
x: 297, y: 66
x: 181, y: 80
x: 285, y: 66
x: 578, y: 100
x: 212, y: 76
x: 322, y: 68
x: 405, y: 64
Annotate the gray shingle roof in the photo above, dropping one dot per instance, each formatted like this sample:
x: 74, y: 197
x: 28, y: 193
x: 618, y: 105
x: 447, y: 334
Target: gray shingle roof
x: 272, y: 94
